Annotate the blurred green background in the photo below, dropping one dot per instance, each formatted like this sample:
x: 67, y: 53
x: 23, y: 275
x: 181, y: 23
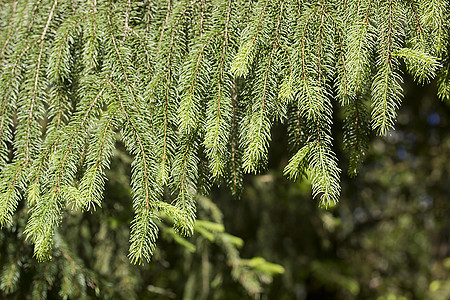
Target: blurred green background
x: 388, y: 238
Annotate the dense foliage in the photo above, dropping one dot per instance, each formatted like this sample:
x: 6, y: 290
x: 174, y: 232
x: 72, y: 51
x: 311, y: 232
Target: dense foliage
x: 387, y: 239
x: 191, y: 90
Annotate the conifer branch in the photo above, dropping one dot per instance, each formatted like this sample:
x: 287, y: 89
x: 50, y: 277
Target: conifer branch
x: 6, y: 87
x: 444, y: 85
x: 386, y: 88
x: 92, y: 183
x: 194, y: 88
x: 141, y: 147
x: 119, y: 58
x: 9, y: 193
x: 185, y: 174
x: 216, y: 137
x: 9, y: 35
x: 163, y: 27
x: 35, y: 86
x: 258, y: 134
x: 74, y: 136
x: 35, y: 7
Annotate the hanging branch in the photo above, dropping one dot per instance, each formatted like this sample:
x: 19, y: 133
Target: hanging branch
x: 194, y: 88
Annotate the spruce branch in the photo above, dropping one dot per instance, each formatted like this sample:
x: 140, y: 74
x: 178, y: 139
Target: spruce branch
x: 386, y: 87
x: 420, y: 64
x: 219, y: 110
x: 444, y: 85
x: 256, y: 136
x: 194, y: 88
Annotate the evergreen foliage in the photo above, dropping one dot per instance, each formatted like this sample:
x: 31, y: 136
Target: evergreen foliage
x: 181, y: 83
x: 99, y: 269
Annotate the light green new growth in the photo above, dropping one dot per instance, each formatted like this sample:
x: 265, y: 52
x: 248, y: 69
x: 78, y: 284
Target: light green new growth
x: 191, y: 89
